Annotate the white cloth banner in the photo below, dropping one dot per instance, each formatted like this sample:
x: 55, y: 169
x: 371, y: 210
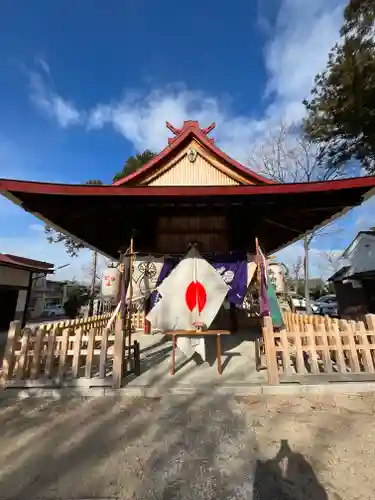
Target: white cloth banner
x: 193, y: 292
x: 146, y: 272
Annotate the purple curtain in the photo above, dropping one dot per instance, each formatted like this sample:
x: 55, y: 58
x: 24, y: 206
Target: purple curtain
x: 231, y: 267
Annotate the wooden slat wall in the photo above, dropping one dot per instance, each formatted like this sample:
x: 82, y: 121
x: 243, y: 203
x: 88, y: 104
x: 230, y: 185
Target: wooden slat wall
x: 320, y: 345
x: 199, y: 173
x: 80, y: 348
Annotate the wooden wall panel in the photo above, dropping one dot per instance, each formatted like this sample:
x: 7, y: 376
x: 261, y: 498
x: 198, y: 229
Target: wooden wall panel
x: 198, y: 173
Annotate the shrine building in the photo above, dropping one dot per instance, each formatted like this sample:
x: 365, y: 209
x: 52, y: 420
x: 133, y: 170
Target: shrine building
x: 190, y: 192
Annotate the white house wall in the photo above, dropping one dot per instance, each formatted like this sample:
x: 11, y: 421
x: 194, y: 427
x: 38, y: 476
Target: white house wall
x: 362, y: 257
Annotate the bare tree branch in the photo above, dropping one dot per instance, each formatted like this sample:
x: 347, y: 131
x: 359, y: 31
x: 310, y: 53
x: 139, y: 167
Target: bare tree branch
x: 331, y: 259
x: 285, y: 155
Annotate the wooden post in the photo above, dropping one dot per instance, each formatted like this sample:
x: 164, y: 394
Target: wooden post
x: 269, y: 344
x: 137, y: 360
x: 8, y: 360
x: 35, y: 366
x: 118, y: 354
x: 90, y: 351
x: 63, y: 352
x: 146, y: 324
x: 351, y: 345
x: 77, y: 351
x: 218, y: 344
x: 103, y: 353
x: 120, y: 322
x: 21, y: 367
x: 173, y: 353
x: 51, y: 350
x: 130, y: 303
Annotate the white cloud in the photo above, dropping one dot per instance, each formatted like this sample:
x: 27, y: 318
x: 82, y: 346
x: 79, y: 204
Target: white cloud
x: 51, y: 103
x: 298, y: 44
x: 298, y: 50
x: 39, y: 228
x: 39, y: 61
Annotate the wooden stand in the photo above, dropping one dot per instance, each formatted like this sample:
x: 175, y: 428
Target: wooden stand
x: 197, y: 333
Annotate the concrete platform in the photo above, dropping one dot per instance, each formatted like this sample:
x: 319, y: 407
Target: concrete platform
x: 238, y: 362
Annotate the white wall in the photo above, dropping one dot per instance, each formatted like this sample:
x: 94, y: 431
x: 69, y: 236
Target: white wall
x: 362, y: 257
x: 14, y: 277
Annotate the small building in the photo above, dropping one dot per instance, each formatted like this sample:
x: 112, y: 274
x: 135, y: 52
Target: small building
x: 47, y: 293
x: 16, y: 278
x: 355, y: 282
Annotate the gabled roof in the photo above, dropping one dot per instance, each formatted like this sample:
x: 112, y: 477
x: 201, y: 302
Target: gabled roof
x: 104, y: 217
x: 189, y: 130
x: 26, y: 264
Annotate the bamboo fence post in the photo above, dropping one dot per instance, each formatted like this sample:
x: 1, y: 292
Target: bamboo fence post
x: 9, y: 353
x: 269, y: 344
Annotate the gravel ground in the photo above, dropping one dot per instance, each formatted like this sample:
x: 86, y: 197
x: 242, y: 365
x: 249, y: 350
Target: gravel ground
x: 202, y: 446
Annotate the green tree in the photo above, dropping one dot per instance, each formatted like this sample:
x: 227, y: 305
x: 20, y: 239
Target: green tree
x: 73, y: 246
x: 78, y: 296
x: 341, y: 109
x: 133, y: 163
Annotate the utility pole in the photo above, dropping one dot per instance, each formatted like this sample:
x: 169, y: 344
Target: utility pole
x: 93, y: 281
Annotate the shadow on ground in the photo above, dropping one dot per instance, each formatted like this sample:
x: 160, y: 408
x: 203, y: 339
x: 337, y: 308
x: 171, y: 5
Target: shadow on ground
x: 197, y: 446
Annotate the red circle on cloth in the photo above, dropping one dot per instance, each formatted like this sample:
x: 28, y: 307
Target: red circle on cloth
x: 196, y: 296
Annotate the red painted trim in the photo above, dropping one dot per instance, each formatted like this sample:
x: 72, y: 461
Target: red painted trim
x: 191, y: 128
x: 16, y: 186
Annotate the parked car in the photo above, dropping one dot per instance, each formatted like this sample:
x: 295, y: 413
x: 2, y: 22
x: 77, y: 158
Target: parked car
x: 327, y: 305
x: 52, y: 311
x: 299, y: 303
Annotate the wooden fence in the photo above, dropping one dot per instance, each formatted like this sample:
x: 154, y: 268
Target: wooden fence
x: 80, y: 352
x: 319, y: 348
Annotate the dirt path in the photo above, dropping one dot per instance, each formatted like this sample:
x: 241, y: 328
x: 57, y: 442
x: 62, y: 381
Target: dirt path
x: 202, y: 446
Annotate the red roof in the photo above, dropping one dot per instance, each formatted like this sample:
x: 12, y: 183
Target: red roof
x: 104, y: 217
x: 24, y: 263
x: 189, y: 130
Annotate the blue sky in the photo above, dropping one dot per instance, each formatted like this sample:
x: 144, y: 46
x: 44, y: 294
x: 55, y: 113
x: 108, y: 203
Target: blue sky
x: 86, y: 84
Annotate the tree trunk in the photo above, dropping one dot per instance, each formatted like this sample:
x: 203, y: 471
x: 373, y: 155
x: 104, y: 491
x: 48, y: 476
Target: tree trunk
x: 306, y: 272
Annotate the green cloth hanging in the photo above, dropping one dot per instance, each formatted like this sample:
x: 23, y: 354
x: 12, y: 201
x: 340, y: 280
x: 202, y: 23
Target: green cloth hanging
x: 276, y: 315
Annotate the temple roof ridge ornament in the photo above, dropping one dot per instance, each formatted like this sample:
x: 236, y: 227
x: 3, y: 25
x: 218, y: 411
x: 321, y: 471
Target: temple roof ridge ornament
x: 189, y: 124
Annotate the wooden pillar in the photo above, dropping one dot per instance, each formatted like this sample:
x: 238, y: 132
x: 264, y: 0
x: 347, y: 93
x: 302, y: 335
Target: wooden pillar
x: 147, y: 324
x: 269, y: 345
x: 27, y: 302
